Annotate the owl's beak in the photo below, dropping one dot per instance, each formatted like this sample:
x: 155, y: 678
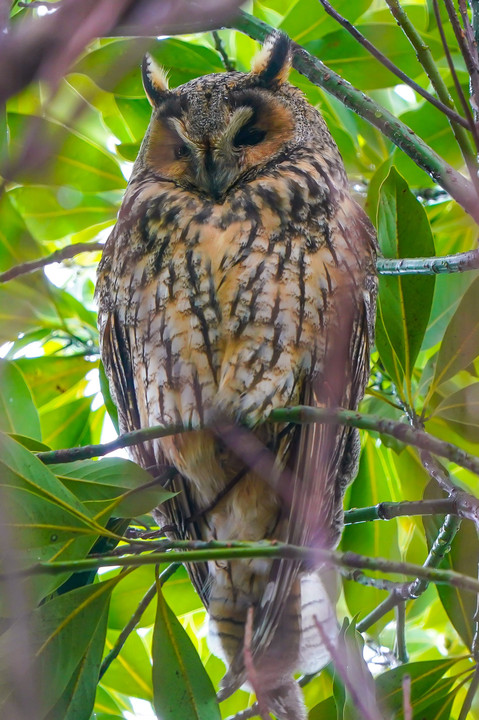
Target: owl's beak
x: 216, y: 174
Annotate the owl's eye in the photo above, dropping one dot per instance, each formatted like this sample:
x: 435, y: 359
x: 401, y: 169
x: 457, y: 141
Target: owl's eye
x: 182, y: 151
x: 248, y: 135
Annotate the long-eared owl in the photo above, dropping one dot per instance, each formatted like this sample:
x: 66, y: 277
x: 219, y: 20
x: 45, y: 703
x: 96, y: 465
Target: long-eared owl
x: 240, y: 278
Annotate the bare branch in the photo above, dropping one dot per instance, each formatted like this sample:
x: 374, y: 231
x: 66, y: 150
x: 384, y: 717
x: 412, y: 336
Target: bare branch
x: 58, y: 256
x: 461, y: 262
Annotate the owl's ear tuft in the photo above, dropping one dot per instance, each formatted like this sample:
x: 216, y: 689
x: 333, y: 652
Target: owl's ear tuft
x: 155, y: 80
x: 272, y: 64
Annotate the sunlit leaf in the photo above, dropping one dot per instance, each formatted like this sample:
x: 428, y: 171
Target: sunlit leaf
x: 306, y: 20
x: 53, y: 213
x: 460, y: 344
x: 17, y: 411
x: 130, y: 672
x: 51, y: 377
x: 183, y: 61
x: 75, y: 162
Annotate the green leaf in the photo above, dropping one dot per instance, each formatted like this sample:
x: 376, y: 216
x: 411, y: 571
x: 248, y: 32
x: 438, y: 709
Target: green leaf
x: 181, y: 685
x: 343, y: 54
x: 404, y: 301
x: 325, y: 710
x: 16, y: 244
x: 53, y: 213
x: 449, y: 290
x: 78, y: 698
x: 112, y: 482
x: 184, y: 61
x: 40, y: 516
x: 75, y: 162
x: 462, y: 409
x: 307, y: 20
x: 17, y: 411
x: 460, y: 344
x: 424, y: 677
x: 63, y: 426
x: 130, y: 672
x: 51, y: 377
x: 62, y: 633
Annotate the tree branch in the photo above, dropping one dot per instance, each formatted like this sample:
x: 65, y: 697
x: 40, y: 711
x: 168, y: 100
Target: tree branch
x: 390, y: 510
x: 299, y: 415
x: 400, y: 134
x: 63, y: 254
x: 461, y: 262
x: 200, y: 551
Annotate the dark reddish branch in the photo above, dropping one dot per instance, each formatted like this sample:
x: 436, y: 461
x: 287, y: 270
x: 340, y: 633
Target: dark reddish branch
x: 43, y: 48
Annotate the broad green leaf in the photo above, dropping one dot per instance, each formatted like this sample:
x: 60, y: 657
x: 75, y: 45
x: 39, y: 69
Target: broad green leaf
x: 325, y: 710
x: 307, y: 19
x: 181, y: 685
x: 78, y: 698
x: 51, y: 377
x: 424, y: 676
x: 463, y: 557
x: 115, y: 482
x: 130, y: 672
x: 460, y: 344
x: 343, y: 54
x: 375, y: 538
x: 462, y: 409
x: 64, y: 425
x: 53, y: 213
x: 16, y: 244
x: 448, y: 293
x: 61, y: 634
x: 75, y: 163
x: 184, y: 61
x: 404, y: 301
x: 17, y: 411
x: 32, y: 303
x: 43, y: 520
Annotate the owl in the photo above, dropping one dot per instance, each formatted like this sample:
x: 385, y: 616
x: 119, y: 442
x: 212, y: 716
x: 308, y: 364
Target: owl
x: 240, y: 278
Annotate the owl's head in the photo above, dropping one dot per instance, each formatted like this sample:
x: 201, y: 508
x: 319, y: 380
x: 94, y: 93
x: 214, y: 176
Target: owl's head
x: 218, y: 130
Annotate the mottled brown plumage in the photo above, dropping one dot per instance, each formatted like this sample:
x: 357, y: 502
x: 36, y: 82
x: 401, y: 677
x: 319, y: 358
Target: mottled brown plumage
x: 240, y: 278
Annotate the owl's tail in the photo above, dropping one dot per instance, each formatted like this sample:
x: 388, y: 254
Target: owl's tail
x: 310, y: 616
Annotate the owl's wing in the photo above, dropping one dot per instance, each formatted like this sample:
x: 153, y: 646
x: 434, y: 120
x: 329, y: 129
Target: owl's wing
x: 117, y: 355
x: 322, y: 459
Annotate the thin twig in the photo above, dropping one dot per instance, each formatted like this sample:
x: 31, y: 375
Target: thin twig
x: 58, y: 256
x: 384, y: 60
x: 440, y: 547
x: 400, y: 645
x: 426, y: 59
x: 468, y: 52
x: 472, y: 166
x: 220, y: 48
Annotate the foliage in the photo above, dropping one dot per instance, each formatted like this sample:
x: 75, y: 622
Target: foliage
x: 66, y: 153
